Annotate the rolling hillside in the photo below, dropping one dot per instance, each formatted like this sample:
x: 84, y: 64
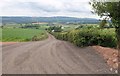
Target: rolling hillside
x: 58, y: 19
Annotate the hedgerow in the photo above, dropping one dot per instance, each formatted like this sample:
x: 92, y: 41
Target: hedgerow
x: 89, y: 37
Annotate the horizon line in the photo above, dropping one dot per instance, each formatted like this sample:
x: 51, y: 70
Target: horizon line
x: 50, y: 16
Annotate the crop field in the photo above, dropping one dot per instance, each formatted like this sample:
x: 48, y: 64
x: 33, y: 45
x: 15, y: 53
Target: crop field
x: 14, y: 33
x: 10, y: 34
x: 69, y: 27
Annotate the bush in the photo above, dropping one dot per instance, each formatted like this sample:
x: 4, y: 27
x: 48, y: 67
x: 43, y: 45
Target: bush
x: 55, y: 28
x: 39, y: 37
x: 89, y: 37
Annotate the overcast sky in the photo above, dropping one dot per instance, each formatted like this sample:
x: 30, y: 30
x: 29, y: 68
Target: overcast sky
x: 46, y: 8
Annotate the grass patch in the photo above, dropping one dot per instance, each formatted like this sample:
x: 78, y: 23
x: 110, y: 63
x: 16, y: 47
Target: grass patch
x: 17, y: 34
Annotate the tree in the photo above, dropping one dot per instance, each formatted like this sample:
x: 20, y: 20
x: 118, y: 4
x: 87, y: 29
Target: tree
x: 108, y: 10
x: 55, y: 28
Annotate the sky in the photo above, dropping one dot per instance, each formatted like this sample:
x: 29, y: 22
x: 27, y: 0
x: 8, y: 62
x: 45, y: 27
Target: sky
x: 46, y: 8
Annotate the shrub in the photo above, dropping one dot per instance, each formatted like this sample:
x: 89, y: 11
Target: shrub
x: 39, y: 37
x: 89, y: 37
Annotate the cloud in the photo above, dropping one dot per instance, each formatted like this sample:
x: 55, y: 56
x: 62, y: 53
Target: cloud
x: 73, y: 8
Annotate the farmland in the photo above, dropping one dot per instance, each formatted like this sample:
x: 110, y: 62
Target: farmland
x: 58, y: 52
x: 60, y: 37
x: 69, y: 35
x: 0, y: 34
x: 14, y: 33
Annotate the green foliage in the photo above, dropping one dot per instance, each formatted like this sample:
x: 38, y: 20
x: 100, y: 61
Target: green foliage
x: 89, y: 37
x: 0, y: 33
x: 61, y: 36
x: 109, y: 10
x: 106, y: 9
x: 55, y: 28
x: 39, y: 37
x: 88, y: 26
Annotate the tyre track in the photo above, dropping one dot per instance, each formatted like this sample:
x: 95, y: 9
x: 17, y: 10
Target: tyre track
x: 51, y: 56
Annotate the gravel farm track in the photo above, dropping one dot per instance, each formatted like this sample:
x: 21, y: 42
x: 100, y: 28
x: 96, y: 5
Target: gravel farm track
x: 51, y: 56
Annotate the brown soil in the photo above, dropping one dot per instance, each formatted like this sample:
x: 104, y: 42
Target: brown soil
x: 7, y: 43
x: 110, y: 55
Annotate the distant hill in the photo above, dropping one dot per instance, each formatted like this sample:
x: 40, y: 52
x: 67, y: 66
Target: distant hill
x: 58, y: 19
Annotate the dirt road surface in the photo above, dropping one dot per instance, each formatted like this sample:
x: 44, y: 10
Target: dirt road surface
x: 51, y: 56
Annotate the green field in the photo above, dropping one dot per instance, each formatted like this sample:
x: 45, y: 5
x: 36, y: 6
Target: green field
x: 0, y: 34
x: 18, y: 34
x: 15, y: 33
